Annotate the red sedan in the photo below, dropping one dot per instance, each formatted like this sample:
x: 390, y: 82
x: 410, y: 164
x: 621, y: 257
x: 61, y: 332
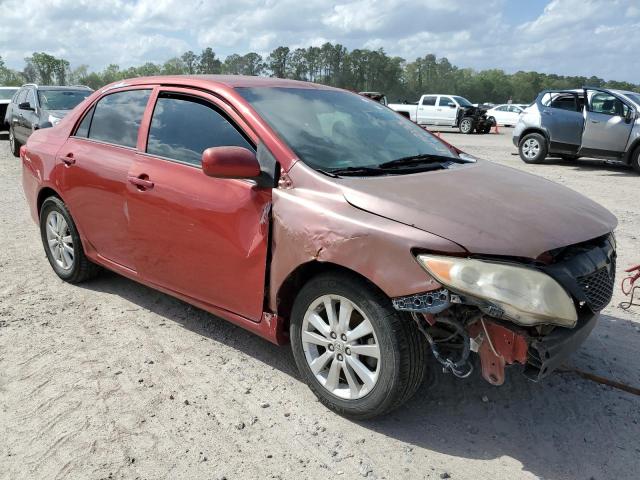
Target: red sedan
x: 314, y: 215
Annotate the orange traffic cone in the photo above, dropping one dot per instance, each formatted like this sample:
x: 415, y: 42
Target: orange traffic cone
x: 497, y: 130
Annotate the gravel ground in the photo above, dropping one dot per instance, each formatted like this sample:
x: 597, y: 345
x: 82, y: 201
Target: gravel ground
x: 114, y: 380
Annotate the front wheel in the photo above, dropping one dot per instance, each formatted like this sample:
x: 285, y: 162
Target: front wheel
x: 359, y: 356
x: 466, y: 125
x: 635, y: 159
x: 14, y: 145
x: 533, y: 148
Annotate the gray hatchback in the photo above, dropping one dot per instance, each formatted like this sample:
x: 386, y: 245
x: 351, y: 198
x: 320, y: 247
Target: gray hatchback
x: 587, y: 122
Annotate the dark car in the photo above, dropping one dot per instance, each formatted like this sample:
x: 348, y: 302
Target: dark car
x: 34, y: 107
x: 315, y: 216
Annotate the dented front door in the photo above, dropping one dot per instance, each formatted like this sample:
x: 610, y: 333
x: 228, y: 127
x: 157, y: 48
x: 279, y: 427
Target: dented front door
x: 202, y: 237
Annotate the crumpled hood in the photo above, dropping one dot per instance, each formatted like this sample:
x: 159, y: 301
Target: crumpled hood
x: 484, y: 207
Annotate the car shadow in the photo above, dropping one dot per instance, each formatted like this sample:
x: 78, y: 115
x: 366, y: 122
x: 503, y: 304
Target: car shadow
x: 562, y: 427
x: 610, y: 167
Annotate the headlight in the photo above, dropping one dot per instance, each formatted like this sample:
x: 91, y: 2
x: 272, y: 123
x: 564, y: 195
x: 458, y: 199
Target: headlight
x: 53, y: 120
x: 527, y: 296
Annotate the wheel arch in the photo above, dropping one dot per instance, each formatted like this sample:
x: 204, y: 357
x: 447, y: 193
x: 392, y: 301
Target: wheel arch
x: 633, y: 148
x: 304, y: 273
x: 43, y: 194
x: 531, y: 130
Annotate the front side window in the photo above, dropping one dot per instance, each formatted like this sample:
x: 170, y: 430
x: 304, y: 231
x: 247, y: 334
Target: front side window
x: 31, y: 98
x: 332, y: 130
x: 503, y: 108
x: 608, y: 104
x: 429, y: 101
x: 183, y: 127
x: 61, y: 99
x: 22, y: 96
x: 83, y: 128
x: 446, y: 102
x: 463, y: 102
x: 117, y: 117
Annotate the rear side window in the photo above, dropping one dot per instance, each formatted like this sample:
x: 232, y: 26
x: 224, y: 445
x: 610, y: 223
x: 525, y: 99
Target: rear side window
x: 430, y: 101
x: 117, y: 117
x: 184, y: 127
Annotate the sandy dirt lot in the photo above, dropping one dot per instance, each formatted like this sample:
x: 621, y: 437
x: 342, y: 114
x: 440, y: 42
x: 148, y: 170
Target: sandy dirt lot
x: 113, y: 380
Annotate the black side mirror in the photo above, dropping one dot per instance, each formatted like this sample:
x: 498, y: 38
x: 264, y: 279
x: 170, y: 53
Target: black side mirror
x: 25, y: 106
x: 452, y: 105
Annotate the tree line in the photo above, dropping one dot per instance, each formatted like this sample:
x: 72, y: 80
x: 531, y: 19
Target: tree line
x: 330, y: 64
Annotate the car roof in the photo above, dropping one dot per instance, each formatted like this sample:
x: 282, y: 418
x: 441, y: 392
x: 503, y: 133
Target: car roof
x: 58, y: 87
x: 230, y: 81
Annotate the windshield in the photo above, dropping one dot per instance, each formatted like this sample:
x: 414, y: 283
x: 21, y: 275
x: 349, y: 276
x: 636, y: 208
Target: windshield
x: 7, y: 93
x: 61, y: 99
x: 463, y: 102
x: 634, y: 97
x: 332, y: 129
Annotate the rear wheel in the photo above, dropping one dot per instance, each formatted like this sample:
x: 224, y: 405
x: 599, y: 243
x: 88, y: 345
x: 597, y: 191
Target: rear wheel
x: 62, y: 243
x: 466, y: 125
x: 360, y: 356
x: 14, y: 145
x: 533, y: 148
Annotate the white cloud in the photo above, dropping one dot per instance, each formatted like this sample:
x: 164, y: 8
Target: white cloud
x: 586, y: 37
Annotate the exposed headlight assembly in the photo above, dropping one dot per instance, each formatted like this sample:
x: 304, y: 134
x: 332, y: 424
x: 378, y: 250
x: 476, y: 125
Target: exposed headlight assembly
x: 527, y: 296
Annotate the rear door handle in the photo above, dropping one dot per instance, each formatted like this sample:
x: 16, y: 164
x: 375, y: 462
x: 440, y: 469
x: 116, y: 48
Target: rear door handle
x: 141, y: 182
x: 68, y: 160
x: 595, y: 121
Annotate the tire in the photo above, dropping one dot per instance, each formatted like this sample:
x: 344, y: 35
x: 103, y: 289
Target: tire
x: 533, y: 148
x: 72, y: 266
x: 14, y: 145
x: 466, y: 125
x: 400, y: 367
x: 635, y: 159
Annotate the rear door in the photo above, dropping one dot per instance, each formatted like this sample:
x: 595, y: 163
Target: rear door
x: 21, y: 116
x: 427, y: 110
x: 202, y: 237
x: 446, y: 111
x: 606, y: 131
x: 561, y: 115
x: 96, y: 162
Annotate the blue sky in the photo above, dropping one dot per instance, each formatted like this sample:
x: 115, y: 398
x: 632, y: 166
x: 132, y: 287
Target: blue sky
x: 570, y: 37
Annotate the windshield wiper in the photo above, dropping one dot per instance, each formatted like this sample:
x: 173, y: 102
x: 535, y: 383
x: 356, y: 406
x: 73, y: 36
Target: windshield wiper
x: 357, y: 171
x: 423, y: 159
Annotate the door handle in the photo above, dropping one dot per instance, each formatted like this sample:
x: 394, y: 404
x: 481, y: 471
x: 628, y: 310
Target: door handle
x: 68, y: 160
x: 439, y: 109
x: 595, y: 121
x: 141, y: 182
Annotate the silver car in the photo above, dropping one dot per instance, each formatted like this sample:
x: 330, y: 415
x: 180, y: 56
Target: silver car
x: 587, y: 122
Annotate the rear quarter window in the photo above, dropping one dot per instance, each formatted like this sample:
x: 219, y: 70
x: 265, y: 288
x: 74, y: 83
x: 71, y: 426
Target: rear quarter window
x: 117, y: 117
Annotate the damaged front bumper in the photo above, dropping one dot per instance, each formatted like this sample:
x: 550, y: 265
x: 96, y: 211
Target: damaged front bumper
x: 500, y: 344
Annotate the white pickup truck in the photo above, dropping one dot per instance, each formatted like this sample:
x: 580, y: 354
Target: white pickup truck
x: 446, y: 110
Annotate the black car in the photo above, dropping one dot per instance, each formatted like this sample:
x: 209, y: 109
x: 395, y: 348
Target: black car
x: 34, y: 107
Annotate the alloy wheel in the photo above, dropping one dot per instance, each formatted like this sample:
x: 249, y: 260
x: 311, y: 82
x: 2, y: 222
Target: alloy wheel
x: 60, y: 241
x: 531, y: 148
x: 341, y: 347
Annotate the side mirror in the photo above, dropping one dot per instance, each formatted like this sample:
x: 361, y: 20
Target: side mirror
x: 453, y: 105
x: 25, y: 106
x: 230, y: 162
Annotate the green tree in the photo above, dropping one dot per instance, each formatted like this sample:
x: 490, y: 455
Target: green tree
x: 208, y: 63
